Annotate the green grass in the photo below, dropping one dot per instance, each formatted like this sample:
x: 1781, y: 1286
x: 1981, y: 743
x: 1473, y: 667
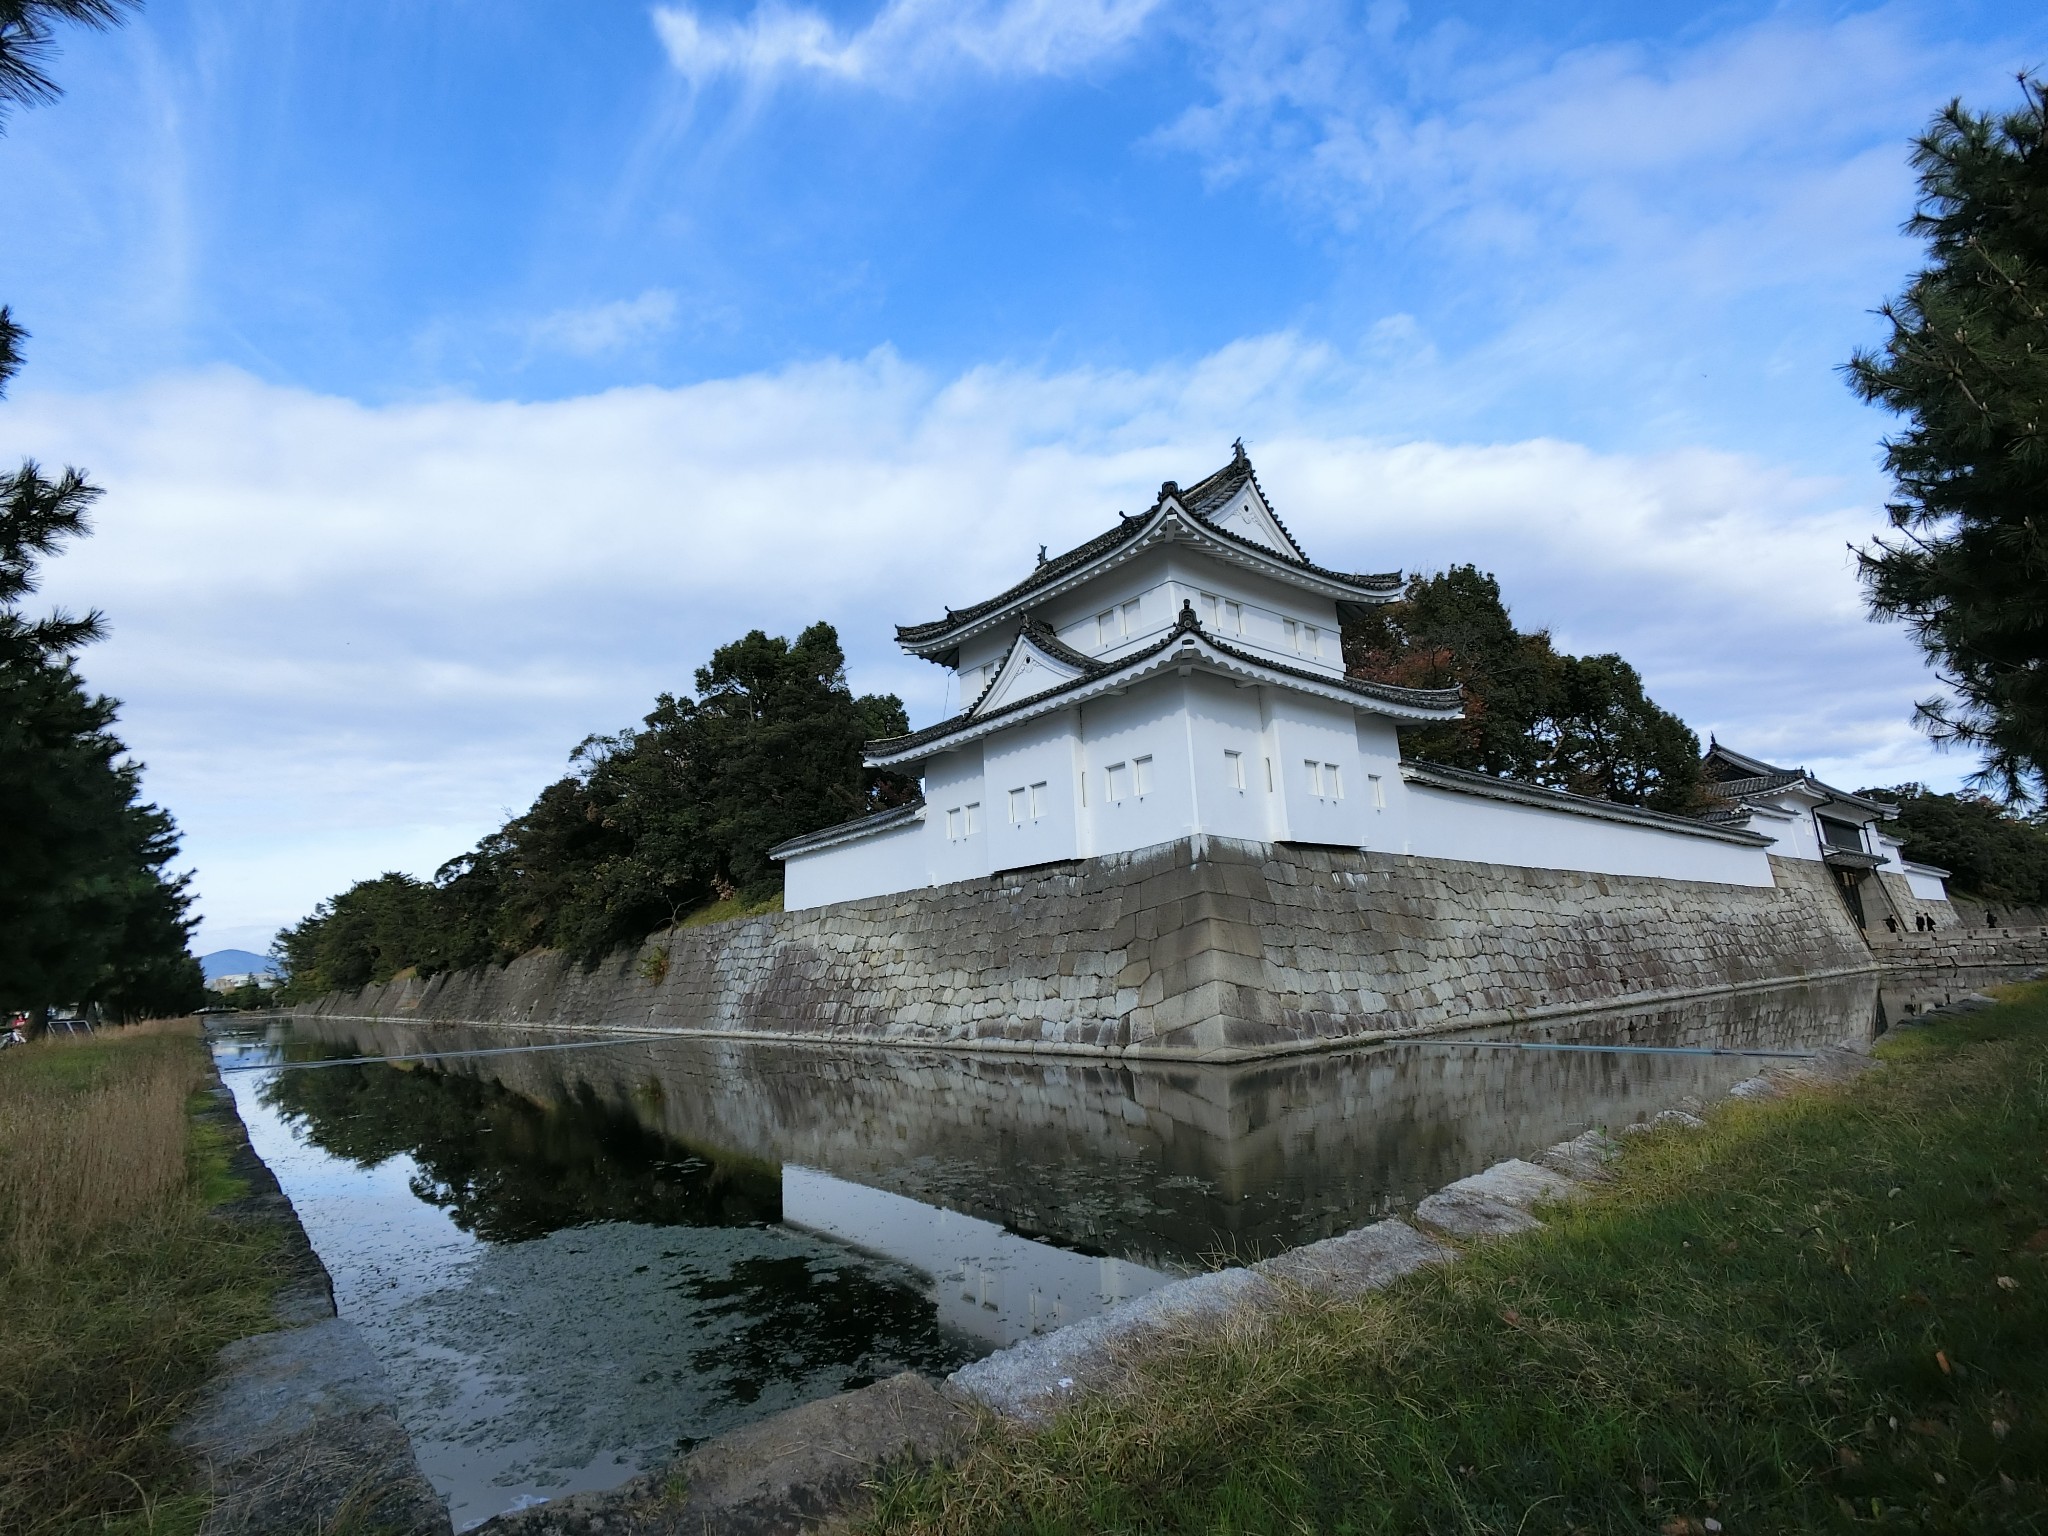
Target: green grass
x: 1823, y: 1313
x: 726, y: 911
x: 119, y: 1279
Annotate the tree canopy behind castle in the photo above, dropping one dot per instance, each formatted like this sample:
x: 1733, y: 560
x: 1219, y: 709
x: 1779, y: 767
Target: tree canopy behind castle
x: 668, y: 818
x: 1532, y: 712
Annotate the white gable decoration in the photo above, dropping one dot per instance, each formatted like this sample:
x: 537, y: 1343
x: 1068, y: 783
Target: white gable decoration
x: 1029, y: 670
x: 1248, y: 517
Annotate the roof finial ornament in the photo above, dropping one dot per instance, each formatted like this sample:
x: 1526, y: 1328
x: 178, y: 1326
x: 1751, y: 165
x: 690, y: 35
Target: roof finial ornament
x: 1041, y: 554
x: 1168, y: 488
x: 1188, y: 617
x: 1239, y: 456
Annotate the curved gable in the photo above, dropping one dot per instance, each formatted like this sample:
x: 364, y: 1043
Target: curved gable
x: 1037, y: 663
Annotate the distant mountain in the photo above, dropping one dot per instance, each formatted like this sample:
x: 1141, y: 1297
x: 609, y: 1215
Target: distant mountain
x: 234, y: 962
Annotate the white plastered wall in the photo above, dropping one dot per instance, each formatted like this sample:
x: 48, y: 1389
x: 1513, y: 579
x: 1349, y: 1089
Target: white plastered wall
x: 1924, y: 884
x: 954, y: 782
x: 1029, y: 772
x: 892, y: 860
x: 1141, y: 735
x: 1443, y: 824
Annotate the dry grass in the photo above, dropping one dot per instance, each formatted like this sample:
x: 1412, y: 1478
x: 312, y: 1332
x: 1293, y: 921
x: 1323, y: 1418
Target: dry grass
x: 92, y: 1137
x: 119, y: 1280
x: 1828, y: 1313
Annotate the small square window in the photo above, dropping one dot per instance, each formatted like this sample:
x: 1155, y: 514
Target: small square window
x: 1311, y: 640
x: 1131, y: 613
x: 1334, y: 780
x: 1293, y: 634
x: 1116, y: 778
x: 953, y: 826
x: 1019, y: 806
x: 1038, y: 800
x: 1233, y: 617
x: 1105, y: 629
x: 970, y: 819
x: 1315, y: 777
x: 1378, y: 787
x: 1212, y: 610
x: 1141, y: 774
x: 1233, y: 769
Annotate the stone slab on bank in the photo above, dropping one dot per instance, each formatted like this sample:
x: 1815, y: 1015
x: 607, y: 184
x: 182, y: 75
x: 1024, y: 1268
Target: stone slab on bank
x: 1202, y: 949
x: 791, y: 1473
x: 296, y: 1430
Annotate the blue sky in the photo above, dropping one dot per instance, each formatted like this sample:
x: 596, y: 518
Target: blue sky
x: 461, y: 372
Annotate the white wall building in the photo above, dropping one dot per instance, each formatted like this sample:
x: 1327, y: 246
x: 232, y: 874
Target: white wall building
x: 1183, y: 674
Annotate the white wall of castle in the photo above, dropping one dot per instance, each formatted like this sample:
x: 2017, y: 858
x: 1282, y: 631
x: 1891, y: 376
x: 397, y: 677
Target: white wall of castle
x: 1195, y: 753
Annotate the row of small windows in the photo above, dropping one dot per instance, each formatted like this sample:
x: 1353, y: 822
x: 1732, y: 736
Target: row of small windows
x: 963, y: 821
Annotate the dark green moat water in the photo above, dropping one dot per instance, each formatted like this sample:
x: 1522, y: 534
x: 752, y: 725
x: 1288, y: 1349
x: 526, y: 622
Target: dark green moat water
x: 578, y: 1259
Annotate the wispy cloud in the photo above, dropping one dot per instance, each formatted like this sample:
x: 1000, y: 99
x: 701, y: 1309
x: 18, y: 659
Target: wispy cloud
x: 1526, y: 150
x: 601, y: 328
x: 905, y: 43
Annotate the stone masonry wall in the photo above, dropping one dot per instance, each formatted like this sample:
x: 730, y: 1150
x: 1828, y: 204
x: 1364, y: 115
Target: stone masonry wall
x: 1203, y: 948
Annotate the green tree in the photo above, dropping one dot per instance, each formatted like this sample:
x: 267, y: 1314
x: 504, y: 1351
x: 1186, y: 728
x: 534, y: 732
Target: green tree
x: 369, y: 933
x: 88, y: 910
x: 1966, y: 567
x: 1532, y: 712
x: 28, y: 37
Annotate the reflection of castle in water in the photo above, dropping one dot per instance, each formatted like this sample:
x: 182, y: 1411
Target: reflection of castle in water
x: 1165, y: 1166
x: 987, y: 1283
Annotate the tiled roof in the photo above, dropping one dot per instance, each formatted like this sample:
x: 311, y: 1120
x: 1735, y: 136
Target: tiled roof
x: 1759, y: 784
x: 1413, y: 698
x: 860, y: 826
x: 1753, y: 776
x: 1201, y: 499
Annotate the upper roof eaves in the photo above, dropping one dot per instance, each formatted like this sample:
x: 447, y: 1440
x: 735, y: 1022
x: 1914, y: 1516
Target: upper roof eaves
x: 1199, y: 500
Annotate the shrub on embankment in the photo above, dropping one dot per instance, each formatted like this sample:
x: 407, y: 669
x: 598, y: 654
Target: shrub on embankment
x: 1824, y: 1313
x: 118, y: 1280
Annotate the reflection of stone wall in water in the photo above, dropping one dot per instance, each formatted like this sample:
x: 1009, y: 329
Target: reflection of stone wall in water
x: 1163, y: 1163
x: 1201, y: 948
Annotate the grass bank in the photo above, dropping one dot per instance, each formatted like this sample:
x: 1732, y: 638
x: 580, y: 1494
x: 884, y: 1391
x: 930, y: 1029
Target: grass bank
x: 1825, y: 1313
x: 119, y: 1279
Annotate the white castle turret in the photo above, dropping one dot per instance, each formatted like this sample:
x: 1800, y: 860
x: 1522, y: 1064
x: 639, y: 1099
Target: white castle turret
x: 1182, y: 675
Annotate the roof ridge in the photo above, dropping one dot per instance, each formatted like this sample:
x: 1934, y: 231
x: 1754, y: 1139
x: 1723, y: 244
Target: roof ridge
x: 1131, y: 527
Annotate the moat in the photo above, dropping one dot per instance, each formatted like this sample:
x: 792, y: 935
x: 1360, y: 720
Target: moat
x: 578, y: 1254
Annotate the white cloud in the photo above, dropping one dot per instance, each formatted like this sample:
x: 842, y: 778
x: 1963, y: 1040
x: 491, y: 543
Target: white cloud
x: 906, y: 42
x: 352, y: 638
x: 602, y: 328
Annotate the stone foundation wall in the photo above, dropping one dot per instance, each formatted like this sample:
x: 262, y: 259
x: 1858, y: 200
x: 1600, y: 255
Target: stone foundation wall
x: 1201, y: 949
